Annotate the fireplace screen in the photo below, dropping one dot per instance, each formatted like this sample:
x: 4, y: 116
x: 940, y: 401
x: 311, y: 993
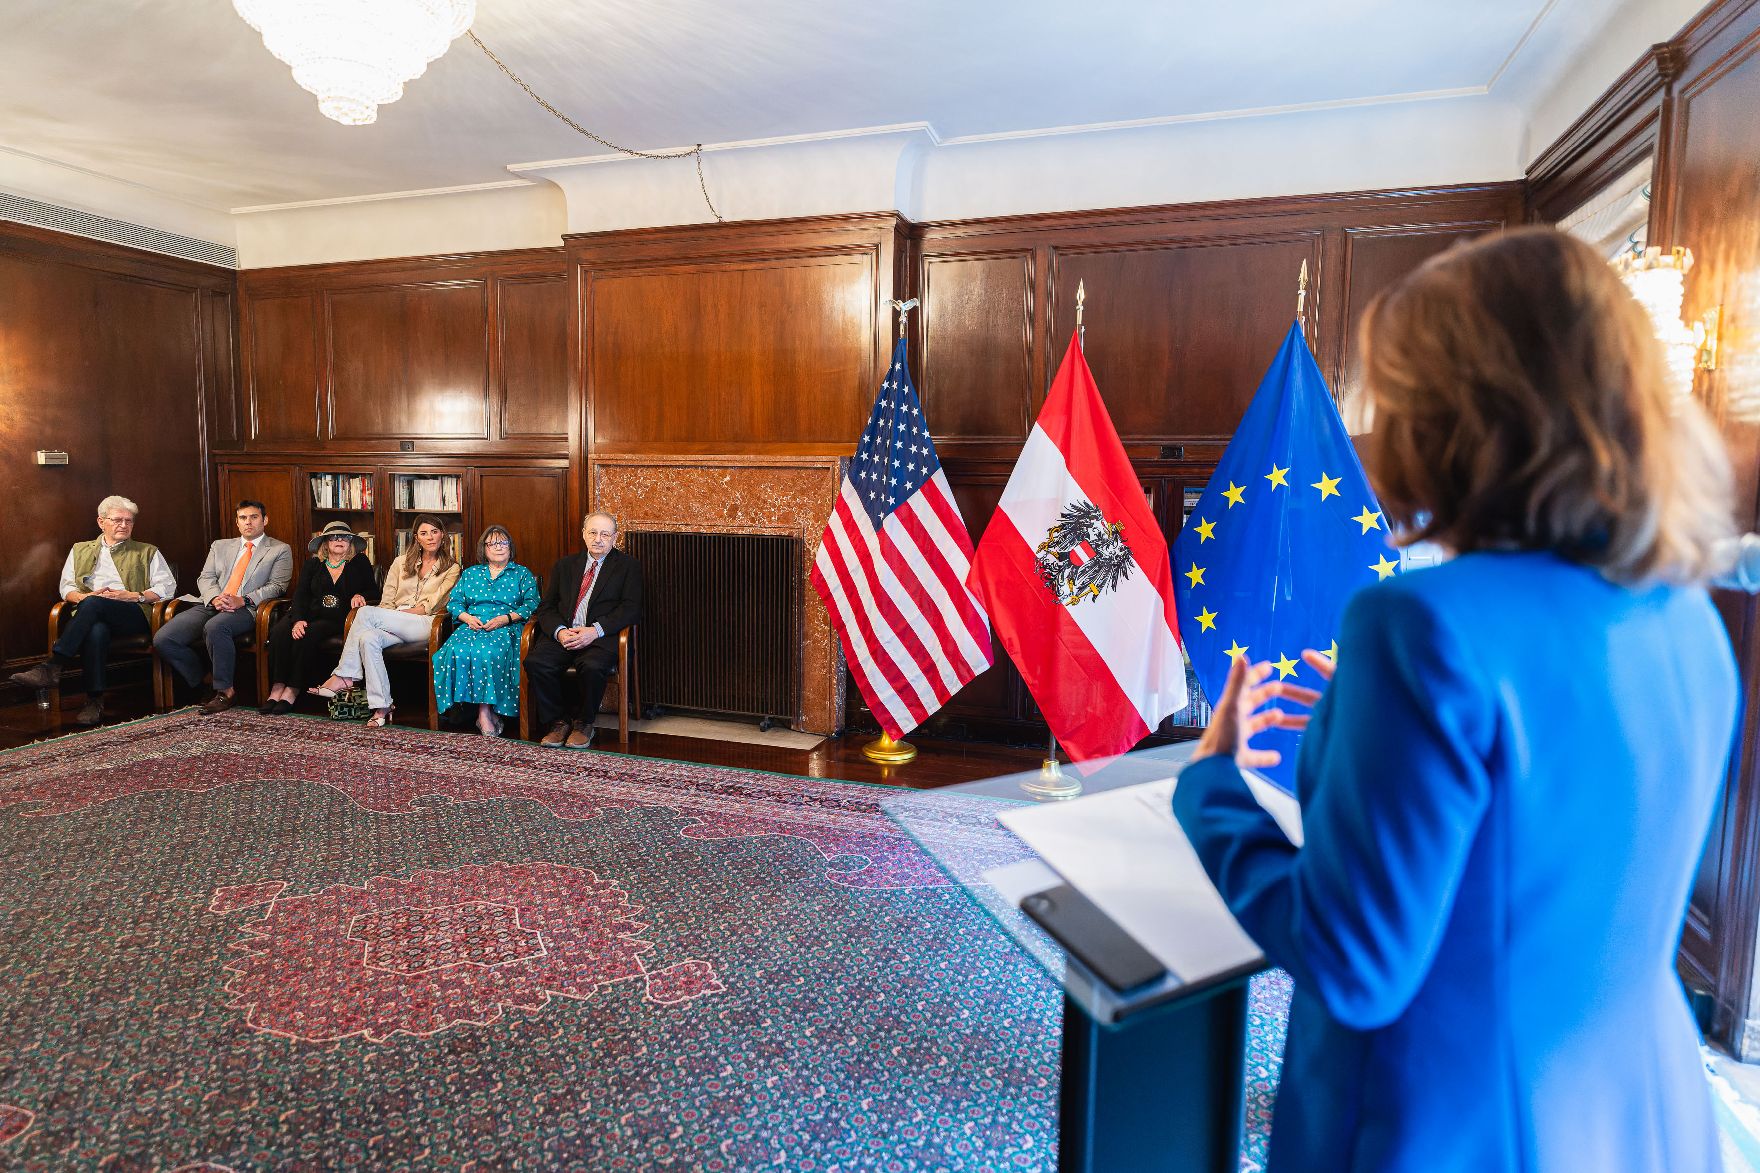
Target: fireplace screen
x: 721, y: 622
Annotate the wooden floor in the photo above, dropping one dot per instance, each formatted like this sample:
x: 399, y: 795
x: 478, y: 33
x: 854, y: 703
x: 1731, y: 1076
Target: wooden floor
x: 938, y: 763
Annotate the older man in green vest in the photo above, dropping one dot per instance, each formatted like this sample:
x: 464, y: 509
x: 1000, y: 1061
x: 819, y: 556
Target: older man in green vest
x: 114, y: 580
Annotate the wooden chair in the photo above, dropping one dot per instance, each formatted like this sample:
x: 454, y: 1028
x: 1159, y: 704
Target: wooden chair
x: 418, y: 652
x: 133, y: 646
x: 623, y: 673
x: 253, y: 643
x: 266, y: 619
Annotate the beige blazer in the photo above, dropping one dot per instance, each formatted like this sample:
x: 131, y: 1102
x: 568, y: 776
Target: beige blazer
x: 427, y: 595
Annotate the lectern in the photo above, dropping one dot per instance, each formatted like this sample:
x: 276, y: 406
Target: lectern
x: 1152, y: 1078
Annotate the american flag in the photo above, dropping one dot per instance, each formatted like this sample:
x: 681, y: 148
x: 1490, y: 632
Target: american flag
x: 892, y: 565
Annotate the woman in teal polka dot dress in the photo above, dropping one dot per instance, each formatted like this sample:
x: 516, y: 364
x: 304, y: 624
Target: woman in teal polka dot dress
x: 479, y: 663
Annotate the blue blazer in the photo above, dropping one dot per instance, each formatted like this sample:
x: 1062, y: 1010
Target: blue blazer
x: 1505, y: 790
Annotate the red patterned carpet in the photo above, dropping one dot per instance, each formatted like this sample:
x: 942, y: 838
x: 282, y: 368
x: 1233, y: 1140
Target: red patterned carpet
x: 235, y: 943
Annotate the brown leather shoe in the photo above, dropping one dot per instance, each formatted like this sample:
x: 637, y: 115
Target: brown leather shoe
x: 219, y: 703
x: 557, y: 735
x: 44, y: 675
x: 92, y: 714
x: 580, y: 737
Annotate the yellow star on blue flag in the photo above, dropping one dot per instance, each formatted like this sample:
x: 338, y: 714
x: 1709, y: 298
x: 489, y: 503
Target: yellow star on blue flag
x: 1278, y: 567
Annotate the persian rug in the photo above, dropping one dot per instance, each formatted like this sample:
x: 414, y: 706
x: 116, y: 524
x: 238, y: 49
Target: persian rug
x: 233, y: 943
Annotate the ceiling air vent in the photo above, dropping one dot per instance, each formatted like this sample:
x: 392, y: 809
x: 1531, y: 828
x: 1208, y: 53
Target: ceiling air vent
x: 41, y: 215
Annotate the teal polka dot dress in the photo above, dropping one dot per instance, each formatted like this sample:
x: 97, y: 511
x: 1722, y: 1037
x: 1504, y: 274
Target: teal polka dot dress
x: 482, y: 667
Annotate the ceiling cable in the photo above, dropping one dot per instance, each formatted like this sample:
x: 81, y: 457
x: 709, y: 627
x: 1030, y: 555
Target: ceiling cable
x: 696, y: 151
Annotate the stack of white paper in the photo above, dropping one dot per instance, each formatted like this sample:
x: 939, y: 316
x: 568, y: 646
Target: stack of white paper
x: 1123, y: 850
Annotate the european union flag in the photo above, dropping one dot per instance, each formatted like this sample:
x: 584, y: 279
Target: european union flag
x: 1286, y: 531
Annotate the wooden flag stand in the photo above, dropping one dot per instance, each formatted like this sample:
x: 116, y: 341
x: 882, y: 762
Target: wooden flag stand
x: 883, y: 749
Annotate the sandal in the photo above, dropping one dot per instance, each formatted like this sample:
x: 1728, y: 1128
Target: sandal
x: 331, y: 694
x: 379, y: 719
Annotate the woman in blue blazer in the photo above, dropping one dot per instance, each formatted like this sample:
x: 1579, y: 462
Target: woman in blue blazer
x: 1507, y: 784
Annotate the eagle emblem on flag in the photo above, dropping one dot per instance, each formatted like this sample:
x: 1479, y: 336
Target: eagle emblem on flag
x: 1083, y: 554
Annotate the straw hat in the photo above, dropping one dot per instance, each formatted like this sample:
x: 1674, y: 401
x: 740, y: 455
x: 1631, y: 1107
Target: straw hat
x: 336, y: 529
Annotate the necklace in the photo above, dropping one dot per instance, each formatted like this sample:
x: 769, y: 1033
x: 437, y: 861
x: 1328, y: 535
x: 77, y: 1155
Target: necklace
x: 335, y: 565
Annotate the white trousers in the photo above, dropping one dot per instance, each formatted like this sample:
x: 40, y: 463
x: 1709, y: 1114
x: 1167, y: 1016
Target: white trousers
x: 363, y: 652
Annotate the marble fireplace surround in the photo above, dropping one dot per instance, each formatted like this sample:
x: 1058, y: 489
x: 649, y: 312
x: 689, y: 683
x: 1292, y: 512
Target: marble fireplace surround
x: 746, y: 495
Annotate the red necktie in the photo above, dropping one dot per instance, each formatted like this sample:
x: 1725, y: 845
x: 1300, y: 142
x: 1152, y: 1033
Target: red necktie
x: 586, y: 586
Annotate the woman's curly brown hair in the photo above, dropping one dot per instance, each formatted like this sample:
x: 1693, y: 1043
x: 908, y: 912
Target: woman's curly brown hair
x: 1520, y: 403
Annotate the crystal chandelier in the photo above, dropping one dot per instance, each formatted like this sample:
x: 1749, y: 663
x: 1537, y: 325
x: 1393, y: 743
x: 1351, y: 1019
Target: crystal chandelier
x: 356, y: 54
x: 1658, y: 281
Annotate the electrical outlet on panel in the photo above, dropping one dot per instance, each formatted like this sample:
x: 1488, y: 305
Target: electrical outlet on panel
x: 51, y: 456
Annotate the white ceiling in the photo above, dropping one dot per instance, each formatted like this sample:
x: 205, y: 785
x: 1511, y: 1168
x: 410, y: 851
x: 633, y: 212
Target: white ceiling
x: 180, y: 96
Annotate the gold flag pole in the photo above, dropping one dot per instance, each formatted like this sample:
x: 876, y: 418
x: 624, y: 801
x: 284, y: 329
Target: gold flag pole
x: 1052, y: 782
x: 883, y: 749
x: 1302, y: 289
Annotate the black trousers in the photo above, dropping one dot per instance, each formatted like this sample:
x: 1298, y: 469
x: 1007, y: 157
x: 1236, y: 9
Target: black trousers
x: 547, y: 666
x: 301, y: 662
x: 86, y: 639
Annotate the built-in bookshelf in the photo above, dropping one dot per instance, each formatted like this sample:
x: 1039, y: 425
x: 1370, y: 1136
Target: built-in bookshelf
x: 438, y: 494
x: 346, y: 497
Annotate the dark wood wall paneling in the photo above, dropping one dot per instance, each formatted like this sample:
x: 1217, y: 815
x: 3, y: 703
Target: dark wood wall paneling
x: 760, y: 337
x: 1184, y: 309
x: 1711, y: 191
x: 455, y: 355
x: 453, y: 365
x: 1689, y: 105
x: 119, y: 357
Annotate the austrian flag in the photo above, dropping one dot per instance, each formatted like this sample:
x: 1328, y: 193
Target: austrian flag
x: 1073, y: 571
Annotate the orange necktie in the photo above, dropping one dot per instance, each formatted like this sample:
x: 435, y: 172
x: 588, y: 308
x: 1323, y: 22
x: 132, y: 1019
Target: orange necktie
x: 238, y: 569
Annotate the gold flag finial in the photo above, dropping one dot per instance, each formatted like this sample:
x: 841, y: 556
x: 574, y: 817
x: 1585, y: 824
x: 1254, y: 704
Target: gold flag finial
x: 904, y: 309
x: 1081, y: 296
x: 1302, y: 289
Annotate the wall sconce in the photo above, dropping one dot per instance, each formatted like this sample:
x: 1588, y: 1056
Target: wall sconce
x: 1658, y: 280
x: 1706, y: 332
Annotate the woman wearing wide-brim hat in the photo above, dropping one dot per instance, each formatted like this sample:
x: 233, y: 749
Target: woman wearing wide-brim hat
x: 334, y: 581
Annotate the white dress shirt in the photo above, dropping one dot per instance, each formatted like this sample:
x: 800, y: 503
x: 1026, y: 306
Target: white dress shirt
x: 105, y: 577
x: 580, y: 612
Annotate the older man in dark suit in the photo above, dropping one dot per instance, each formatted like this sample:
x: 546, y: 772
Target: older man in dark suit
x: 591, y: 597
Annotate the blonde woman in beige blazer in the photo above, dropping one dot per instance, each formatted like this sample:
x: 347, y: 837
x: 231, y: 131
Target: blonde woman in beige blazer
x: 416, y: 587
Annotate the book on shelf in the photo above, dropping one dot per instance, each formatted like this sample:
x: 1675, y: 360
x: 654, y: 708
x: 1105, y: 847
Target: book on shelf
x: 423, y: 492
x: 335, y: 490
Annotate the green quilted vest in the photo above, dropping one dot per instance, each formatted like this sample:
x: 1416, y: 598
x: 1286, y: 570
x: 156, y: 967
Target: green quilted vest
x: 134, y: 562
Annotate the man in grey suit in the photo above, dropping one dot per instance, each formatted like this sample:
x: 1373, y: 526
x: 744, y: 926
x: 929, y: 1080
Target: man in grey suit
x: 240, y: 573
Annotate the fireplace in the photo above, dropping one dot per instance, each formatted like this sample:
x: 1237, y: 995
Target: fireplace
x: 653, y: 496
x: 727, y: 642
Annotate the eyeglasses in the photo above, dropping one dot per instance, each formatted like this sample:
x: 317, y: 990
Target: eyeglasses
x: 123, y: 520
x: 494, y: 543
